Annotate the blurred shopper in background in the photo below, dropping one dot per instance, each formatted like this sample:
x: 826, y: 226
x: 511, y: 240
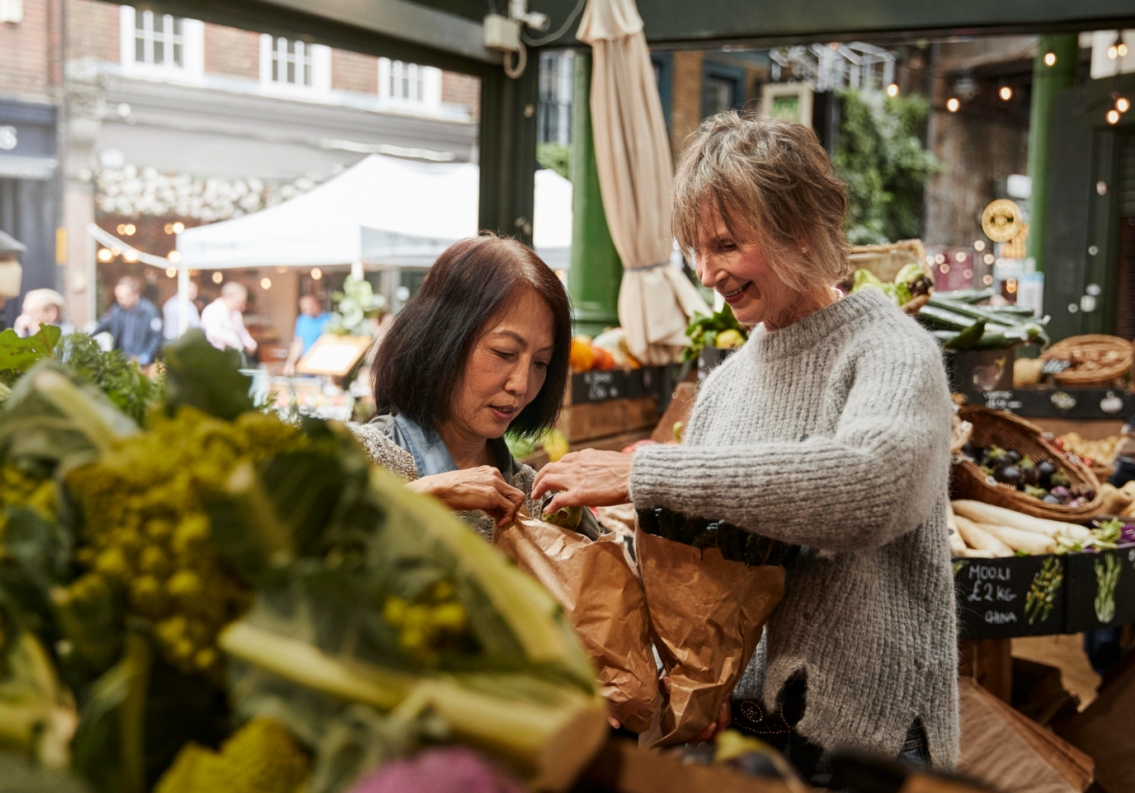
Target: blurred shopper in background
x: 223, y: 320
x: 133, y: 322
x: 171, y: 314
x: 41, y: 307
x: 310, y: 325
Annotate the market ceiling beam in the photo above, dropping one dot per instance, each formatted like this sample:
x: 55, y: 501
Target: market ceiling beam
x: 711, y: 23
x: 429, y: 34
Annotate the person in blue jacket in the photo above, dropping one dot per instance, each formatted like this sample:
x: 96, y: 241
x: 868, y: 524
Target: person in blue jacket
x: 310, y: 325
x: 133, y: 321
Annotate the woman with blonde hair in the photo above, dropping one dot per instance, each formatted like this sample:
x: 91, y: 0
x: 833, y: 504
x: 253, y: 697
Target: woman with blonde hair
x: 829, y: 429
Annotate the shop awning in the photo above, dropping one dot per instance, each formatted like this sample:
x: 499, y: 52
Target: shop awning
x: 383, y: 212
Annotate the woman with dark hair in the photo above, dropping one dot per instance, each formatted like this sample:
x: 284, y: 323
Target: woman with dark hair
x: 480, y: 350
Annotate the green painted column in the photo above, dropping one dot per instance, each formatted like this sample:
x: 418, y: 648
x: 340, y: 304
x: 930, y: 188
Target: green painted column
x: 1048, y: 80
x: 596, y: 271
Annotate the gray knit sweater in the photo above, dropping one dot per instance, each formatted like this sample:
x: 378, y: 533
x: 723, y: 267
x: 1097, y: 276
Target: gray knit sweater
x: 834, y: 433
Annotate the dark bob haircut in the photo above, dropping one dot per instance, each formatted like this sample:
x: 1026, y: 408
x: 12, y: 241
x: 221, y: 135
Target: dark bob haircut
x: 423, y: 356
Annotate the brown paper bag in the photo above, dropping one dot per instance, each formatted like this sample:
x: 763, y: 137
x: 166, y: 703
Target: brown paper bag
x: 605, y: 603
x: 706, y: 615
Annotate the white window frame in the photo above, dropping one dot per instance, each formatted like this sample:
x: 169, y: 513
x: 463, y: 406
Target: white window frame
x: 193, y: 50
x: 320, y: 67
x: 428, y: 102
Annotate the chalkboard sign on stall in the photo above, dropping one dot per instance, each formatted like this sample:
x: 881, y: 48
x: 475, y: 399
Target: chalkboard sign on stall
x: 598, y: 386
x: 1101, y: 589
x: 1013, y: 596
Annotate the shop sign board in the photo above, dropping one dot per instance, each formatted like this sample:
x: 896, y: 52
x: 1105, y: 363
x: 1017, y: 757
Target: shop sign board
x: 27, y: 140
x: 979, y: 372
x: 1101, y: 589
x: 1098, y: 404
x: 1010, y: 596
x: 598, y: 386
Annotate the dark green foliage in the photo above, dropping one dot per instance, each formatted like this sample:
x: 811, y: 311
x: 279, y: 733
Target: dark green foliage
x: 883, y: 161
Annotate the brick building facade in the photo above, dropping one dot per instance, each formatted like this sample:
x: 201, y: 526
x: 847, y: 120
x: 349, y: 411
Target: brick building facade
x: 125, y: 91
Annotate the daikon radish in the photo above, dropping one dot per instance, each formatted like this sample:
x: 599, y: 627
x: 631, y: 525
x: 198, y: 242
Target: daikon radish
x: 951, y: 524
x: 980, y: 512
x: 1028, y: 541
x: 981, y: 540
x: 970, y: 553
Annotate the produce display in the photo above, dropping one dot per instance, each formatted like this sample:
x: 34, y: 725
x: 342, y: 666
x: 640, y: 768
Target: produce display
x: 960, y: 322
x: 721, y: 330
x: 1086, y: 361
x: 1041, y: 479
x: 910, y: 290
x: 1089, y: 452
x: 980, y: 530
x: 606, y: 351
x: 216, y: 598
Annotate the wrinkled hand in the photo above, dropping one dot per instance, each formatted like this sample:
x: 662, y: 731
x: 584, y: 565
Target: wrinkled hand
x: 589, y: 478
x: 473, y: 488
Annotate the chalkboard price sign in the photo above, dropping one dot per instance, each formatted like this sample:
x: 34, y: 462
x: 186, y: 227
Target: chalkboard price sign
x: 1101, y: 589
x: 598, y: 386
x: 1014, y: 596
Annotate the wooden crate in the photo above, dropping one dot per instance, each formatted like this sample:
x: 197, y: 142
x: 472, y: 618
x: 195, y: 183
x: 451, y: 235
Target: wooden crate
x: 591, y: 420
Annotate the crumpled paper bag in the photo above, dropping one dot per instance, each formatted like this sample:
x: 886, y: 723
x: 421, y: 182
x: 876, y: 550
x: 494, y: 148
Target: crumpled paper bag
x: 706, y: 616
x: 603, y: 599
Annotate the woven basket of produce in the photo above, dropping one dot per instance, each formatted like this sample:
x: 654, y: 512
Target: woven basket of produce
x: 1095, y: 360
x: 1008, y: 463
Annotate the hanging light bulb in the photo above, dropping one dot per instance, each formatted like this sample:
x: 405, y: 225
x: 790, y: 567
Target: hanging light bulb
x: 171, y: 272
x: 218, y: 277
x: 893, y: 90
x: 953, y: 104
x: 316, y: 273
x: 1122, y: 104
x: 1113, y: 116
x: 1050, y: 59
x: 1006, y: 93
x: 1113, y: 52
x: 1121, y: 50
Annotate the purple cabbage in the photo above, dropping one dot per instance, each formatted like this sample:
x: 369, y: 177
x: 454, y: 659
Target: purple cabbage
x: 1127, y: 534
x: 452, y: 769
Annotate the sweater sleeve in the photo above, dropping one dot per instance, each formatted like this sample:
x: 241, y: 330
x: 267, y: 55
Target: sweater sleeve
x: 877, y: 477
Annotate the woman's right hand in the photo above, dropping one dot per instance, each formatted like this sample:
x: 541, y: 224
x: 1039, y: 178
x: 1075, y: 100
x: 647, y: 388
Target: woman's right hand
x: 473, y: 488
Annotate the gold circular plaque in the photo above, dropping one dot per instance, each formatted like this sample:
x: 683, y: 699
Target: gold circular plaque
x: 1001, y: 220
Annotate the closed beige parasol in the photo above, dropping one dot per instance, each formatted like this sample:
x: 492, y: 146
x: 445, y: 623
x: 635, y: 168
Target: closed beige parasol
x: 656, y: 300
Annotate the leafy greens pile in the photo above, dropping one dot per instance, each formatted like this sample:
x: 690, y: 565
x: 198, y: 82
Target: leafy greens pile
x: 117, y: 376
x: 223, y: 590
x: 703, y: 331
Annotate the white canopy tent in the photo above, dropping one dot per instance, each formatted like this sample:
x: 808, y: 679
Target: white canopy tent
x: 383, y: 212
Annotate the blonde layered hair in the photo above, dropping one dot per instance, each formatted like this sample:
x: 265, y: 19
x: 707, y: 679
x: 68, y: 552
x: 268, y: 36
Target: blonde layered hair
x: 772, y: 184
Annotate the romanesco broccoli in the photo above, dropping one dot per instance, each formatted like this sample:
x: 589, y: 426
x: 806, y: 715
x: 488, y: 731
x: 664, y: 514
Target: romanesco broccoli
x: 261, y: 757
x: 145, y: 533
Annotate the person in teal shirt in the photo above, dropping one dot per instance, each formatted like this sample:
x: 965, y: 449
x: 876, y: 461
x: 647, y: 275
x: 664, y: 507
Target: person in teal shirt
x: 310, y: 325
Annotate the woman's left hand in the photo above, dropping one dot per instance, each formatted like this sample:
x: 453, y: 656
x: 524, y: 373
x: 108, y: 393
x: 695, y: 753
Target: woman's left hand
x: 589, y: 478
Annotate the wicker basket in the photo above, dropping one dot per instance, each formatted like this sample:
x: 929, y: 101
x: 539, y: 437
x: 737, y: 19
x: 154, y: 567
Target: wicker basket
x: 993, y: 427
x: 1096, y: 360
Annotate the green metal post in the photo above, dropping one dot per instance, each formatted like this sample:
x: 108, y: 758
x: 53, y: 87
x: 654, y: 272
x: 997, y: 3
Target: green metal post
x: 508, y: 151
x: 1048, y: 80
x: 596, y: 270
